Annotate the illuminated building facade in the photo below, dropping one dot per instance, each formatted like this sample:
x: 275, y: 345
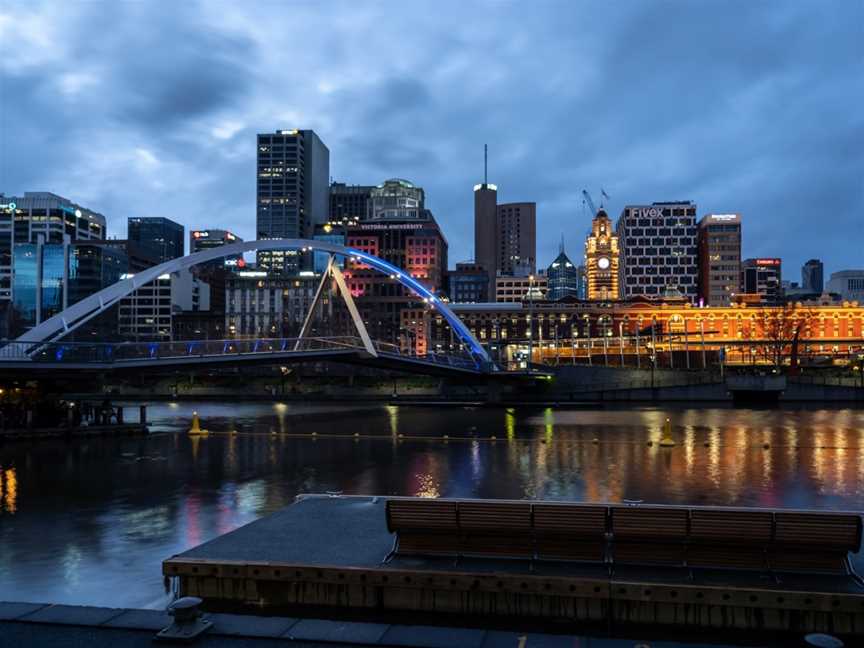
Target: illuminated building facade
x: 563, y: 278
x: 396, y: 200
x: 149, y: 312
x: 602, y: 259
x: 24, y: 219
x: 293, y: 194
x: 719, y: 258
x: 582, y: 332
x: 521, y: 289
x: 263, y: 306
x: 49, y: 277
x: 659, y: 256
x: 762, y: 277
x: 200, y: 240
x: 416, y: 245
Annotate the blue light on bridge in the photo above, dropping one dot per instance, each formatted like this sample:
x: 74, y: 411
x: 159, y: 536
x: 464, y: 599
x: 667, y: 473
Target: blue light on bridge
x: 409, y: 281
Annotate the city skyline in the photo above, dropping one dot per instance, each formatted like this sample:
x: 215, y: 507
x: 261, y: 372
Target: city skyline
x: 763, y: 127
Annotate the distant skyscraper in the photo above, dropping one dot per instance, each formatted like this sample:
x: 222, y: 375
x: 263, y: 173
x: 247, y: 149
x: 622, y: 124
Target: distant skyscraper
x: 349, y: 202
x: 161, y: 237
x: 517, y: 239
x: 293, y: 193
x: 763, y: 277
x: 719, y: 258
x: 505, y: 235
x: 811, y: 276
x: 659, y: 254
x: 602, y: 259
x: 396, y: 199
x: 562, y: 277
x: 200, y: 240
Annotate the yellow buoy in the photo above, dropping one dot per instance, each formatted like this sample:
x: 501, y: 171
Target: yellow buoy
x: 666, y: 439
x: 196, y: 430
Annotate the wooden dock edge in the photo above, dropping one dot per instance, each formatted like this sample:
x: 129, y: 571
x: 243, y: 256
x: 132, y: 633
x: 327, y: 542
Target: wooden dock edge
x: 565, y: 598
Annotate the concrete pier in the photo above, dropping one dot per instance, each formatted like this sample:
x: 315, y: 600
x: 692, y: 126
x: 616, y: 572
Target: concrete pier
x: 332, y: 552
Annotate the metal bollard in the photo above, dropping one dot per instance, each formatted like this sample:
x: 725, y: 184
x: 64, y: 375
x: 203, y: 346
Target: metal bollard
x: 188, y: 621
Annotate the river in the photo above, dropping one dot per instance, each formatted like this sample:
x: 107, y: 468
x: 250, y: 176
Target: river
x: 89, y: 521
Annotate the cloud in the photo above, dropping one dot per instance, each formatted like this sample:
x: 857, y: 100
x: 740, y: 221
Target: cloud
x: 739, y: 106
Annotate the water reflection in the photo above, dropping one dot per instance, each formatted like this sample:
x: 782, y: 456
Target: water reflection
x: 107, y: 512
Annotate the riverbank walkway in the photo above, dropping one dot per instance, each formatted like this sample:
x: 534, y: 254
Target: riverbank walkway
x: 36, y: 624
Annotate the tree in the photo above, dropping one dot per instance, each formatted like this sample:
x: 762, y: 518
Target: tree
x: 777, y: 329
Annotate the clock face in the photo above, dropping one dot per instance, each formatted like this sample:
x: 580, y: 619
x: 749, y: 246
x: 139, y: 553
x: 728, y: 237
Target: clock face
x: 602, y: 263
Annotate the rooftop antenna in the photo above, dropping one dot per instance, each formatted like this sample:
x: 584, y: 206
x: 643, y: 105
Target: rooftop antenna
x: 485, y: 166
x: 561, y: 248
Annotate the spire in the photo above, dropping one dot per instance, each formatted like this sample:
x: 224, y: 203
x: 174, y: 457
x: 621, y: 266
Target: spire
x: 561, y: 247
x: 485, y: 165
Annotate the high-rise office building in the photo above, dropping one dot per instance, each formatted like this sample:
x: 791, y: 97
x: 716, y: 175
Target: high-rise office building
x: 161, y: 237
x: 517, y: 239
x: 468, y: 283
x: 50, y: 277
x: 293, y: 194
x: 349, y: 203
x: 659, y: 255
x: 602, y: 259
x: 762, y: 277
x: 562, y: 277
x: 505, y: 235
x: 150, y: 312
x: 486, y: 230
x: 415, y: 244
x: 812, y: 276
x: 23, y: 219
x: 38, y: 215
x: 719, y: 258
x: 200, y: 240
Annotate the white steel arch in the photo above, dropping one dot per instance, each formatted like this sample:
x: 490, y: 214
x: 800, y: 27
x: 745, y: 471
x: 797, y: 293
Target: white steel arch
x: 80, y: 312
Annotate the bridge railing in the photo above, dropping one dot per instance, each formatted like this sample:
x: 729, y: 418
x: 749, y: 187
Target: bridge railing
x: 120, y: 352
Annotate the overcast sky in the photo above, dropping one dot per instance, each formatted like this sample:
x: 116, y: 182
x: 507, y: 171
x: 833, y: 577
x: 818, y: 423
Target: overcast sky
x: 151, y: 108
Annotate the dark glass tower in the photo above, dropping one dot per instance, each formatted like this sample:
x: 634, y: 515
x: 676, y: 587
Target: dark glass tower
x: 160, y: 237
x: 563, y: 278
x: 293, y: 188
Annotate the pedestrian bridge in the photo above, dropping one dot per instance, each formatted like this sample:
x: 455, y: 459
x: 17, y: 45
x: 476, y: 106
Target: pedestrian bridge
x: 41, y: 347
x: 78, y: 356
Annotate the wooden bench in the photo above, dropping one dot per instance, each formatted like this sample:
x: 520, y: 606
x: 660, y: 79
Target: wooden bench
x: 424, y: 526
x: 649, y: 535
x: 490, y: 528
x: 817, y: 542
x: 570, y: 531
x: 673, y: 536
x: 729, y: 538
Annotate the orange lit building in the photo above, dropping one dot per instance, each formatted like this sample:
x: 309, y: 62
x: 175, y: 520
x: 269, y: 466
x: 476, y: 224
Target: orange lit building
x: 601, y: 259
x: 740, y: 333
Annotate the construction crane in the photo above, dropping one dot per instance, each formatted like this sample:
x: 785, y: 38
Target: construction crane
x: 589, y: 202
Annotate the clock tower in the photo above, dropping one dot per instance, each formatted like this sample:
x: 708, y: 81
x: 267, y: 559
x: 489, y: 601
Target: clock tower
x: 601, y: 259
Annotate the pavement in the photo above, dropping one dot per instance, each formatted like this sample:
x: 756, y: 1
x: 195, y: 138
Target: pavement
x: 68, y: 626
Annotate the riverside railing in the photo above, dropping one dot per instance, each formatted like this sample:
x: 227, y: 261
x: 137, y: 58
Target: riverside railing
x: 119, y: 352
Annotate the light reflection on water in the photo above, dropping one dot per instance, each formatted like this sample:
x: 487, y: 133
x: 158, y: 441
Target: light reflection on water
x: 91, y: 521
